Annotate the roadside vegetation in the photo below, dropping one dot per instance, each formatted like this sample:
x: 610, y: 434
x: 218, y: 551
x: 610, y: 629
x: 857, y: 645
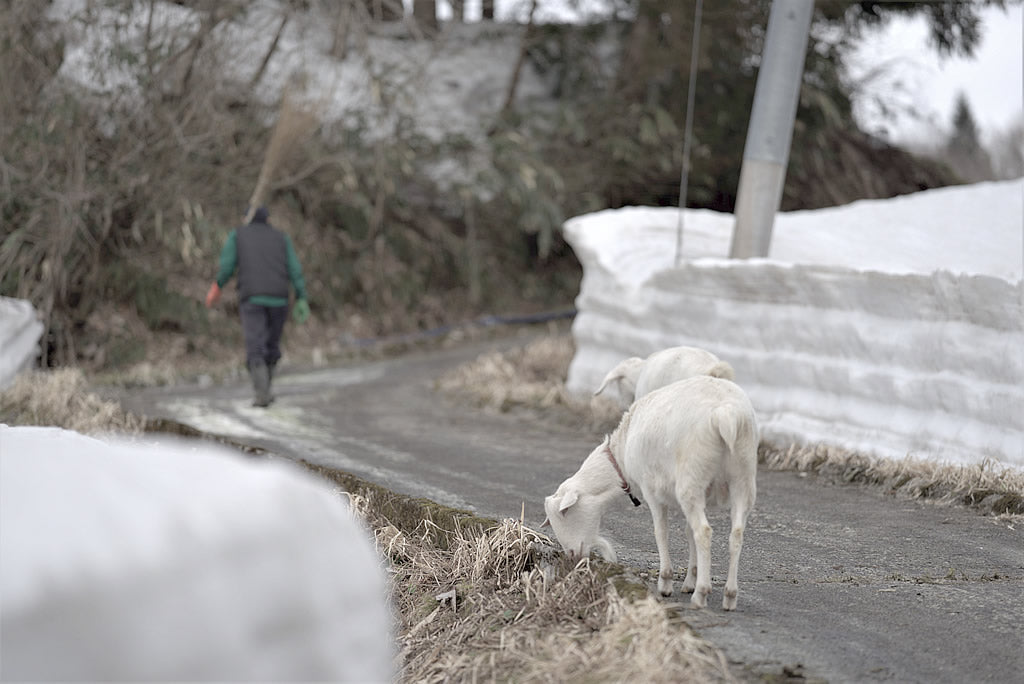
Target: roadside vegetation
x: 62, y: 398
x: 493, y: 601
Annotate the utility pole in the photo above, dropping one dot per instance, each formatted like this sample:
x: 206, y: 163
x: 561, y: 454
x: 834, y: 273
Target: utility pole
x: 770, y: 133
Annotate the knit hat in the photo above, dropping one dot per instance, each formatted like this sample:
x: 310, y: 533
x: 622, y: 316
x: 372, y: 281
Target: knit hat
x: 260, y: 215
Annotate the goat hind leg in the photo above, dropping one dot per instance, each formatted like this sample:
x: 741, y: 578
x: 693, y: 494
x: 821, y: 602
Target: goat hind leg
x: 691, y: 567
x: 731, y: 583
x: 740, y: 510
x: 701, y: 530
x: 659, y: 514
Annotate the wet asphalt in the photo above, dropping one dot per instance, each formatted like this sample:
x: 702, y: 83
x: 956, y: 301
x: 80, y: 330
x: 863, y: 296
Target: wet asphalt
x: 838, y: 583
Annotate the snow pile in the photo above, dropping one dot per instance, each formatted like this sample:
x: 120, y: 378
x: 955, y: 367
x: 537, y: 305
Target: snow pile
x: 143, y: 561
x: 892, y: 327
x: 19, y: 338
x: 455, y: 83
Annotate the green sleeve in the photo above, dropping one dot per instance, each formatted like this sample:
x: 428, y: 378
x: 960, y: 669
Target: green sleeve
x: 295, y: 271
x: 228, y: 260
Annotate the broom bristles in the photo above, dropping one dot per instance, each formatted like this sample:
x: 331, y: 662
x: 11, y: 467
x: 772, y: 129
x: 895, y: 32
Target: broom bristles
x: 294, y: 123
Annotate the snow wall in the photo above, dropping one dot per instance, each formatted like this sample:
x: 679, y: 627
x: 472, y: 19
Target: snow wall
x: 142, y: 561
x: 889, y: 364
x: 19, y: 338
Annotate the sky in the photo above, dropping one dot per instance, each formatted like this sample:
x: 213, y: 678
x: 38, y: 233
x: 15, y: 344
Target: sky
x: 992, y: 80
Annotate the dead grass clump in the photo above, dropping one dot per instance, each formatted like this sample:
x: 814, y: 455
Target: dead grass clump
x: 61, y: 398
x: 497, y: 604
x: 530, y: 378
x: 645, y: 643
x: 988, y: 486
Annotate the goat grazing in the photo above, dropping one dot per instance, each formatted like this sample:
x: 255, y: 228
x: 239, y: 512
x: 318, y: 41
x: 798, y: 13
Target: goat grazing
x: 690, y: 442
x: 634, y: 377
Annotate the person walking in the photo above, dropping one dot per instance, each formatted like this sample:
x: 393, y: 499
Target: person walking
x: 266, y: 263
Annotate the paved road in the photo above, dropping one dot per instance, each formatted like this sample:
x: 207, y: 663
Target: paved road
x: 838, y: 583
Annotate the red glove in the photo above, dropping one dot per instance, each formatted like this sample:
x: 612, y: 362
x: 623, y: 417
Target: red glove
x: 213, y: 295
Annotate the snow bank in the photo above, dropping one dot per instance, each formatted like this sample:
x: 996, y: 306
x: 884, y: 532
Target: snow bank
x: 915, y: 352
x: 142, y: 561
x: 19, y: 337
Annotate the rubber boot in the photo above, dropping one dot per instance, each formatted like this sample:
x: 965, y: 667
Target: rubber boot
x: 271, y: 367
x: 261, y: 383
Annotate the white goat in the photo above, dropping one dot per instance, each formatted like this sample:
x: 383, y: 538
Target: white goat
x: 634, y: 377
x: 690, y: 442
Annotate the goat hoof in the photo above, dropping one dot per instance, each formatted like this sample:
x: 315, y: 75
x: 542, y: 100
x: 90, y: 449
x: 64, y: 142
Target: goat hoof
x: 729, y: 601
x: 664, y: 588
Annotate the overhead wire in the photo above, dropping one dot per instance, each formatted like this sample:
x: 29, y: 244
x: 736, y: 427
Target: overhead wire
x: 691, y: 97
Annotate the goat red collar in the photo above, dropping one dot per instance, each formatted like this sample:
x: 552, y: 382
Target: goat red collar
x: 622, y: 478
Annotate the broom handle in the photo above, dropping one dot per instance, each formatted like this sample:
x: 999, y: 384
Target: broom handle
x: 270, y: 159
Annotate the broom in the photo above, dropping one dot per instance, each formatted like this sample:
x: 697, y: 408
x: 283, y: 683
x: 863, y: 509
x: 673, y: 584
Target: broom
x: 294, y: 123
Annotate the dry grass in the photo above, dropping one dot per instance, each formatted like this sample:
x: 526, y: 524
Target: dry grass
x: 533, y: 378
x: 495, y: 604
x: 988, y: 486
x: 61, y: 398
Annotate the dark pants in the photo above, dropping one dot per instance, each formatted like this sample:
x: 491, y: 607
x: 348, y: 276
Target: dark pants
x: 262, y: 327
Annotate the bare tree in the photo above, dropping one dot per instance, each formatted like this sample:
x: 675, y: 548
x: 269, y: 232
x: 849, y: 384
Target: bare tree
x: 964, y: 150
x: 424, y: 12
x: 342, y: 25
x: 385, y: 10
x: 1007, y: 151
x: 524, y: 47
x: 458, y: 10
x: 270, y: 51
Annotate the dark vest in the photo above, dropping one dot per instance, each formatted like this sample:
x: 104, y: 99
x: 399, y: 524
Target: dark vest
x: 262, y: 261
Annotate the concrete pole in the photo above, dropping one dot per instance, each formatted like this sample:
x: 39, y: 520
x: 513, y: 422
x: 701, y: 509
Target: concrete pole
x: 766, y: 153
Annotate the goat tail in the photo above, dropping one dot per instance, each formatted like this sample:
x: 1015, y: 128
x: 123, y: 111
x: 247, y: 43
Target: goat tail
x: 722, y: 370
x: 737, y: 428
x: 726, y: 420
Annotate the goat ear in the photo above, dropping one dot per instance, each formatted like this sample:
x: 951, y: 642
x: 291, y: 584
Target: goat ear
x: 568, y: 499
x: 611, y: 377
x: 546, y: 523
x: 619, y: 373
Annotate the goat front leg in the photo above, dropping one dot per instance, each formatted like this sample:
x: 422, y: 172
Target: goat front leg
x: 659, y: 514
